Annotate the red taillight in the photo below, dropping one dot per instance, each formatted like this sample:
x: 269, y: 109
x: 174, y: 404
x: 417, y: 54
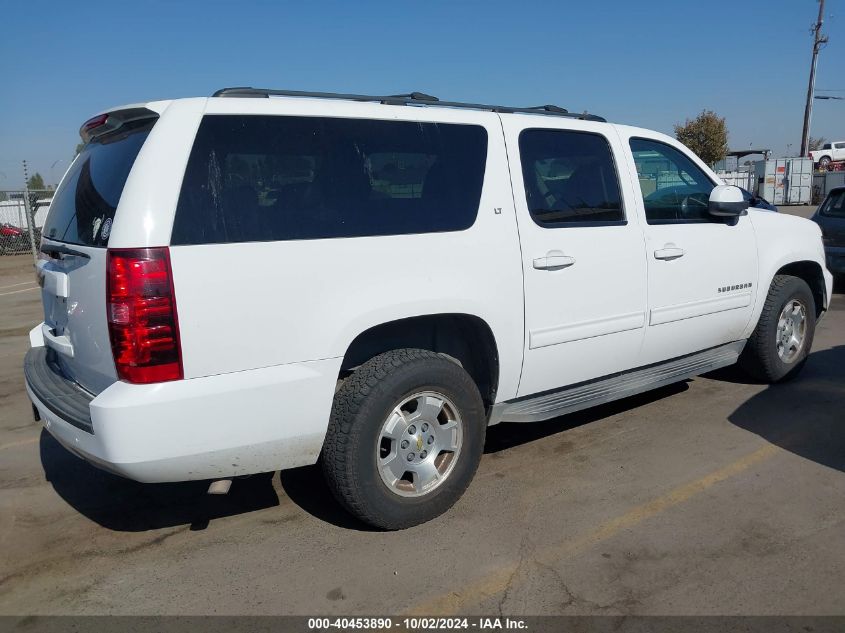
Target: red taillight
x: 96, y: 121
x: 141, y: 311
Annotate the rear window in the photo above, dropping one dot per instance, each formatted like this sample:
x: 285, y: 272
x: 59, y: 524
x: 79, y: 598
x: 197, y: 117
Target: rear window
x: 263, y: 178
x: 83, y: 207
x: 834, y: 206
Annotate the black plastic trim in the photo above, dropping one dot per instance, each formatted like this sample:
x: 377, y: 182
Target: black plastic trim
x: 727, y: 209
x: 58, y: 393
x: 585, y: 224
x: 61, y: 249
x: 412, y: 98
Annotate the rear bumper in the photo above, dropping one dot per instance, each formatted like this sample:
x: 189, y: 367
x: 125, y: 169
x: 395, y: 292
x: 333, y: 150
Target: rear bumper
x: 203, y: 428
x: 60, y: 396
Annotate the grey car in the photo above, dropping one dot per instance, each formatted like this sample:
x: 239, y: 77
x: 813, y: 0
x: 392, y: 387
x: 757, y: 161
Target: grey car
x: 830, y: 216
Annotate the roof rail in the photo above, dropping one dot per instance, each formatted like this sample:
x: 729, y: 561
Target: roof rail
x: 411, y: 98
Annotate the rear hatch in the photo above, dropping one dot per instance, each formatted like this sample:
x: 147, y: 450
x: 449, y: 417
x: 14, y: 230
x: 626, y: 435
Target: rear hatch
x: 72, y: 268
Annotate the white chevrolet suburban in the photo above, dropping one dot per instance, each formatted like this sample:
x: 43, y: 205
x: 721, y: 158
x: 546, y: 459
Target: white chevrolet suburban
x: 263, y: 279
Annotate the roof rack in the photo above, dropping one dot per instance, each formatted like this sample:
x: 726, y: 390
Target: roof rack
x: 411, y: 98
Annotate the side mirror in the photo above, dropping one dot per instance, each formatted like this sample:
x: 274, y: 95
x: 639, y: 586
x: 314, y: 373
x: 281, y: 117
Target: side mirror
x: 727, y: 201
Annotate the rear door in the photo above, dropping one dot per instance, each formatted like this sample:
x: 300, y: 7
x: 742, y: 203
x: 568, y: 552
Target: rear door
x: 582, y: 249
x: 73, y: 265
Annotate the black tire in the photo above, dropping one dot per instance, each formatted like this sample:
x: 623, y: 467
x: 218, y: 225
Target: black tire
x: 760, y: 358
x: 360, y: 408
x: 824, y: 162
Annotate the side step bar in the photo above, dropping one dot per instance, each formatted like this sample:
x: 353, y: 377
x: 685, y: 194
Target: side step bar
x: 548, y: 405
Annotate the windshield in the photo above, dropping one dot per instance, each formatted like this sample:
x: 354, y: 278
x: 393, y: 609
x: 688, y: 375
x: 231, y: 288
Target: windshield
x: 83, y: 208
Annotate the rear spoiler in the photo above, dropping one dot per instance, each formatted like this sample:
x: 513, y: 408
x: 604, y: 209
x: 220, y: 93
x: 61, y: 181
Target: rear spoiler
x: 111, y: 121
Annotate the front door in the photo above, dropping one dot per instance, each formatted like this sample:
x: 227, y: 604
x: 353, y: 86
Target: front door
x: 702, y: 270
x: 582, y: 250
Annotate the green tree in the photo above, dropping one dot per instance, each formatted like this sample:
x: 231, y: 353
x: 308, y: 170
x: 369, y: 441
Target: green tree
x: 706, y: 135
x: 79, y: 148
x: 816, y: 142
x: 35, y: 182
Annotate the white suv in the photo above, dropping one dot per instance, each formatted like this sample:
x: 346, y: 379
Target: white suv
x: 262, y: 279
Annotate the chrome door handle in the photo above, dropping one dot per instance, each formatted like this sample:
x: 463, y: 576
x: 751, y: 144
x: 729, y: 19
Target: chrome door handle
x: 553, y: 260
x: 669, y: 252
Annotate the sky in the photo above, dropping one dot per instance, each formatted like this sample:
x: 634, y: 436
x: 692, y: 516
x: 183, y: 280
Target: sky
x: 648, y: 63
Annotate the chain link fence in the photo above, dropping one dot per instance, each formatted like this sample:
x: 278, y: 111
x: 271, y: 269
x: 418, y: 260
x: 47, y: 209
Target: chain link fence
x: 22, y: 215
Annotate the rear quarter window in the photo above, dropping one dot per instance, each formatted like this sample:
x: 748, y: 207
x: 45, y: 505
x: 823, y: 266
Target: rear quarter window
x: 83, y: 207
x: 267, y: 178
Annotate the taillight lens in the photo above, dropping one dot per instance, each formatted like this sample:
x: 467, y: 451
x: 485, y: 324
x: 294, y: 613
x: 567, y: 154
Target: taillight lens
x: 95, y: 122
x: 141, y: 306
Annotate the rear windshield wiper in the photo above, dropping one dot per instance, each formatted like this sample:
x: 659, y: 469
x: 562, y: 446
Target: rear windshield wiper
x: 61, y: 249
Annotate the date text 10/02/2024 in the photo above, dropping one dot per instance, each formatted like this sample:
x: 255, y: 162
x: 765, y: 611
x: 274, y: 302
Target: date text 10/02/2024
x: 417, y: 623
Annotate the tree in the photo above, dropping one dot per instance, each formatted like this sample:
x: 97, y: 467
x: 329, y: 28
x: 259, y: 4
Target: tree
x: 706, y: 135
x: 79, y: 148
x: 35, y: 182
x: 816, y: 143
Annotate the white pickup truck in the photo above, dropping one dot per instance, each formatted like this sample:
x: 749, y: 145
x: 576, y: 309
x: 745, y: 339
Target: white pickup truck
x: 264, y: 278
x: 829, y: 153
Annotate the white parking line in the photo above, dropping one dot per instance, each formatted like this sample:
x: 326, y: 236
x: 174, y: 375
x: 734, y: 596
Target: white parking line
x: 14, y: 292
x: 23, y: 283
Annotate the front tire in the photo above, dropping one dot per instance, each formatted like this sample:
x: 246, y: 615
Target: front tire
x: 405, y: 438
x: 778, y: 348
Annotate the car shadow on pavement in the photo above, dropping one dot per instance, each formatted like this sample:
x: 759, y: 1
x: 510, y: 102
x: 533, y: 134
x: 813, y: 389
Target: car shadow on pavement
x: 120, y: 504
x: 805, y: 415
x: 306, y: 488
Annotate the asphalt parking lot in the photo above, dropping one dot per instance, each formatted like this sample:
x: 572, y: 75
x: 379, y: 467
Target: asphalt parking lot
x: 713, y: 496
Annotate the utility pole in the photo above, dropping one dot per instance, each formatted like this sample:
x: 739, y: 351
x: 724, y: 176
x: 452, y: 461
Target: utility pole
x: 30, y: 216
x: 818, y: 40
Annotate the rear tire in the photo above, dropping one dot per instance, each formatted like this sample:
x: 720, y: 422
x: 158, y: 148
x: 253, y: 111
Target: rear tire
x: 824, y: 162
x: 405, y: 438
x: 778, y: 348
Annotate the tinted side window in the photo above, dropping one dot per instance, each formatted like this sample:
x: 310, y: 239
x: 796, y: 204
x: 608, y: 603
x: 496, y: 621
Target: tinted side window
x: 264, y: 178
x: 834, y: 206
x: 674, y: 188
x: 83, y: 208
x: 569, y: 177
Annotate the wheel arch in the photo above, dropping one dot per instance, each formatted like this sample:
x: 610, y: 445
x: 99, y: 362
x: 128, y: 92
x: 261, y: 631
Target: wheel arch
x: 811, y: 272
x: 464, y: 338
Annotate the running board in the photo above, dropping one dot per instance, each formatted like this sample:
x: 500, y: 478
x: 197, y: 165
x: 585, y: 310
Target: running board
x: 574, y: 398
